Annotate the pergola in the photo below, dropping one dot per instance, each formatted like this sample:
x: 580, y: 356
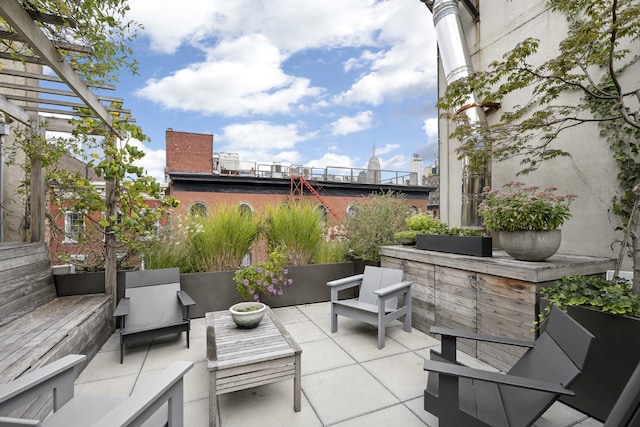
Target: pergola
x: 25, y: 98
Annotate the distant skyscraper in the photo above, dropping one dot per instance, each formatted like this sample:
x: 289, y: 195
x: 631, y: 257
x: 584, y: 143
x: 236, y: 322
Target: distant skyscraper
x: 416, y: 170
x: 373, y: 168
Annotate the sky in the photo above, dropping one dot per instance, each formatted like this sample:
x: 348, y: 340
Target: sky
x: 310, y: 83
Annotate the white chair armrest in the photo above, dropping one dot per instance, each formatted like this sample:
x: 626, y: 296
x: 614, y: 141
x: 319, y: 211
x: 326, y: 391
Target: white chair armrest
x: 346, y: 282
x: 396, y: 288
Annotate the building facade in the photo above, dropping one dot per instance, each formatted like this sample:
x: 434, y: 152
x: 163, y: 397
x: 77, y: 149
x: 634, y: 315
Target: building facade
x: 589, y: 171
x: 202, y: 184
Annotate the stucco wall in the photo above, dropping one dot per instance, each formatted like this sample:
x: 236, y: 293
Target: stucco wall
x: 590, y: 172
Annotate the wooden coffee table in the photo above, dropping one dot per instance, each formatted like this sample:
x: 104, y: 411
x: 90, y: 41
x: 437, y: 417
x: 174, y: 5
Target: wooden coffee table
x: 238, y: 359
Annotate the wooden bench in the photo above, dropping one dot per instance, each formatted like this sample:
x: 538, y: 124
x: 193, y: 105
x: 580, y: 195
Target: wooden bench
x: 36, y: 326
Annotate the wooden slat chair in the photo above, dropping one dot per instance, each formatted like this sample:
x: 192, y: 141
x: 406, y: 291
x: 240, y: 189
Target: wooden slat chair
x: 159, y: 402
x: 153, y: 306
x: 377, y: 303
x: 463, y: 396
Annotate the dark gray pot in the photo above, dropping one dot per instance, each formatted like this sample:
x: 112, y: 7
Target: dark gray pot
x: 461, y: 245
x: 614, y: 356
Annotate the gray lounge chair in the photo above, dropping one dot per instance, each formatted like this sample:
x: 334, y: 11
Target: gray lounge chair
x: 159, y: 402
x: 463, y: 396
x: 377, y: 303
x: 626, y: 411
x: 153, y: 306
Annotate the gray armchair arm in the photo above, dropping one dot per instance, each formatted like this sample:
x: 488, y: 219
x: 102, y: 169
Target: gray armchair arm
x: 57, y: 377
x: 185, y: 299
x: 166, y: 387
x: 346, y: 282
x: 462, y: 371
x: 123, y: 308
x: 445, y: 332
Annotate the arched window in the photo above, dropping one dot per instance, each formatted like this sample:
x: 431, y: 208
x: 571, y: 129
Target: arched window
x: 245, y: 208
x: 198, y: 209
x: 351, y: 210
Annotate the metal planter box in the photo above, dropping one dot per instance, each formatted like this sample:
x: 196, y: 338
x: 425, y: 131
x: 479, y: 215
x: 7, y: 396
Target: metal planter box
x: 461, y: 245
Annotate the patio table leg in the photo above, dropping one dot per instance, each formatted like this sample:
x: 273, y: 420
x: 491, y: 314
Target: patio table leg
x: 213, y: 400
x: 297, y: 384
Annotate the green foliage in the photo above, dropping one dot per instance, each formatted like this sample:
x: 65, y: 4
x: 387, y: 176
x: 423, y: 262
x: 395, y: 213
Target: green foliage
x: 374, y: 223
x: 296, y: 227
x: 269, y: 277
x: 600, y: 42
x: 215, y: 242
x: 594, y: 292
x: 330, y: 251
x: 520, y: 207
x: 425, y: 223
x: 101, y: 25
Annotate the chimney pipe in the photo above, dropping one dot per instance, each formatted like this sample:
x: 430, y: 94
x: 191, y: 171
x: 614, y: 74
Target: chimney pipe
x: 456, y: 62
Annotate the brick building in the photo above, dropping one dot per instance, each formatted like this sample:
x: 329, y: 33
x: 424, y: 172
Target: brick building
x: 202, y: 179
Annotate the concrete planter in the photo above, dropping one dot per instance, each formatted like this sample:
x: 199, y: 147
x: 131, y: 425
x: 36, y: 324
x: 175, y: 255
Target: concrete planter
x: 530, y: 245
x: 215, y: 290
x: 310, y: 284
x: 84, y: 283
x: 461, y: 245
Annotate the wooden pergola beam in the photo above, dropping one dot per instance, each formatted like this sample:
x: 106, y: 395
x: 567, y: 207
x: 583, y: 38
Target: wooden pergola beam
x: 49, y: 78
x: 23, y: 24
x: 14, y: 110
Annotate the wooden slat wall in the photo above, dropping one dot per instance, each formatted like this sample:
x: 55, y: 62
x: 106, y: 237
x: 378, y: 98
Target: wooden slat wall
x: 36, y: 327
x: 25, y: 279
x: 495, y: 296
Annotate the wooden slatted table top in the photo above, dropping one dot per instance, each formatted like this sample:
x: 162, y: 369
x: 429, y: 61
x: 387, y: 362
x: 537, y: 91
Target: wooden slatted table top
x: 229, y: 346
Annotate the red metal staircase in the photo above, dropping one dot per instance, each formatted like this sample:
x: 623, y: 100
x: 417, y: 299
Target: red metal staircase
x: 298, y: 184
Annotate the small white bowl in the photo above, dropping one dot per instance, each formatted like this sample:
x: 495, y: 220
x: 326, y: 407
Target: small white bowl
x: 247, y: 319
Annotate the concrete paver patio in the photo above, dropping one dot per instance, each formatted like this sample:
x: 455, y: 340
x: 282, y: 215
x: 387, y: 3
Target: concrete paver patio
x: 346, y: 380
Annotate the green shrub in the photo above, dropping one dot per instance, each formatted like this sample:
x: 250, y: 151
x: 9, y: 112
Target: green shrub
x: 375, y: 221
x: 215, y: 242
x: 297, y: 228
x: 331, y: 251
x: 592, y: 291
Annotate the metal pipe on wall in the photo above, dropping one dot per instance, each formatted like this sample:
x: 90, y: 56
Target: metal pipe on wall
x: 456, y: 63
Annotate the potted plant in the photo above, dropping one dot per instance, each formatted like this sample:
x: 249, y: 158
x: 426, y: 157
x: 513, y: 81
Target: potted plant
x: 434, y: 235
x: 526, y: 218
x: 267, y: 277
x: 611, y: 312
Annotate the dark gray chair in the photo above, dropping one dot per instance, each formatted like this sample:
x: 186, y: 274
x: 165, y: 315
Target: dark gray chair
x: 626, y: 411
x: 463, y: 396
x: 153, y: 305
x: 377, y: 302
x: 159, y: 402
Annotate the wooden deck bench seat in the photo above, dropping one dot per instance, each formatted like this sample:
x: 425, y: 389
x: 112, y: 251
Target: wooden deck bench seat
x: 36, y: 326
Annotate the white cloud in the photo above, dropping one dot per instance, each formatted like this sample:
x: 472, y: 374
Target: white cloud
x: 153, y: 161
x: 431, y: 128
x: 241, y: 77
x: 333, y: 159
x: 247, y: 43
x: 346, y: 125
x: 263, y: 142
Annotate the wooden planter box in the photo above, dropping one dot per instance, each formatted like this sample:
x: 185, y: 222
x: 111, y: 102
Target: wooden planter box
x: 614, y: 356
x: 461, y: 245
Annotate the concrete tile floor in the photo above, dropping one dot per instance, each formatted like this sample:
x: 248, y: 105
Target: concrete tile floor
x: 346, y: 380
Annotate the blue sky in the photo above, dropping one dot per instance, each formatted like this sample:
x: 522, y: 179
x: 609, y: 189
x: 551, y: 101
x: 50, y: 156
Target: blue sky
x: 297, y: 82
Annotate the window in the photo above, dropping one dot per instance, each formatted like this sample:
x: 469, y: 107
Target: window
x: 351, y: 210
x: 73, y: 226
x: 246, y: 209
x: 198, y: 209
